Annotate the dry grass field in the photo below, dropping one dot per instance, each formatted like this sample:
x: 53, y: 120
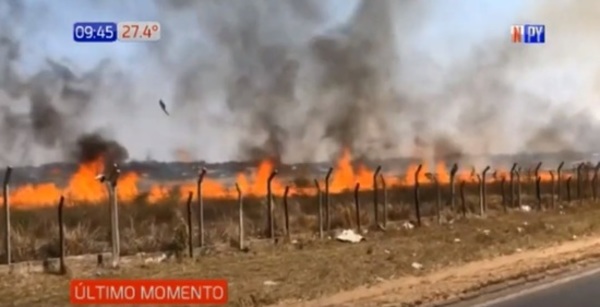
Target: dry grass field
x: 151, y: 227
x: 309, y: 268
x: 301, y: 268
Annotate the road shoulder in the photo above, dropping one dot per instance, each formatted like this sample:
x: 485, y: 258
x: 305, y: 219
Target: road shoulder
x: 455, y: 284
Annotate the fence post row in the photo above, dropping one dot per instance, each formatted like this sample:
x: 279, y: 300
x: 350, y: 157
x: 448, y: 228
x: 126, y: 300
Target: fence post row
x: 111, y: 183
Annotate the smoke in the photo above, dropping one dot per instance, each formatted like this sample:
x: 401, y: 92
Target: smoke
x: 298, y: 81
x: 92, y: 147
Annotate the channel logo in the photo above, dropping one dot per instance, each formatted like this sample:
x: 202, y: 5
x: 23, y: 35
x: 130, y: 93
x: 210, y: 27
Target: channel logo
x: 528, y: 34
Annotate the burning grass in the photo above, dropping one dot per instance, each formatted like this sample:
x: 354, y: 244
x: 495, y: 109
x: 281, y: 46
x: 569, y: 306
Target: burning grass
x: 328, y: 267
x: 155, y: 221
x: 153, y: 226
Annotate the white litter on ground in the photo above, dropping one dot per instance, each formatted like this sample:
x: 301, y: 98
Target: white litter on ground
x: 349, y: 236
x: 417, y: 266
x: 525, y: 208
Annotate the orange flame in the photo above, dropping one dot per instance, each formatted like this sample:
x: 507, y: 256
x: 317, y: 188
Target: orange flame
x: 84, y: 187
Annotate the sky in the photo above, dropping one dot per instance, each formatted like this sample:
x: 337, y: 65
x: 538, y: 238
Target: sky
x: 437, y: 42
x: 456, y: 25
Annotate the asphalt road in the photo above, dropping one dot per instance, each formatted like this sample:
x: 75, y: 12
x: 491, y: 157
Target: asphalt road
x: 582, y: 290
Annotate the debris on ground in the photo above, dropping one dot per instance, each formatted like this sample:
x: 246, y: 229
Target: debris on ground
x: 270, y: 283
x: 349, y: 236
x: 417, y: 266
x: 158, y: 259
x: 525, y: 208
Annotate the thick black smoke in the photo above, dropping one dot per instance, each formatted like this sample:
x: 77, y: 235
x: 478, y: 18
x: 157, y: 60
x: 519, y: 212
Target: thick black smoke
x: 275, y: 78
x: 44, y: 114
x: 91, y: 147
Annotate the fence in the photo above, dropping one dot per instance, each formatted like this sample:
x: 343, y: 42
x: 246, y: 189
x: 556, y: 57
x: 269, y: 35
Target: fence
x: 449, y: 197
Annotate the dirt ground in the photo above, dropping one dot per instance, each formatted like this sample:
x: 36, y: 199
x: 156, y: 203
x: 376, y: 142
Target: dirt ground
x: 462, y: 282
x: 399, y: 266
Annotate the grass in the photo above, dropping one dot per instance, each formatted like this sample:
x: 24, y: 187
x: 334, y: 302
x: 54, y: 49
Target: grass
x: 311, y: 268
x: 307, y: 268
x: 148, y: 227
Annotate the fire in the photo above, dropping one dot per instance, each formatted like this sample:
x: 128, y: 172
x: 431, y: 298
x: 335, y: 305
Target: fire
x: 84, y: 187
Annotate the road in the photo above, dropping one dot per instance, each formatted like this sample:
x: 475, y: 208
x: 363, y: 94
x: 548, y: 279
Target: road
x: 581, y: 290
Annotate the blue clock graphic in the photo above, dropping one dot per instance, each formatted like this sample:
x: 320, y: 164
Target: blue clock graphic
x: 99, y: 32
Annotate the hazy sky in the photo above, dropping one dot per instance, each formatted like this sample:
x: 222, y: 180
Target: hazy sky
x: 456, y: 25
x: 454, y: 59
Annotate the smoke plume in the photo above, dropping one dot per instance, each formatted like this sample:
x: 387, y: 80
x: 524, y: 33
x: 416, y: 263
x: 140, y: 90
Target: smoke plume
x: 294, y: 81
x: 92, y: 147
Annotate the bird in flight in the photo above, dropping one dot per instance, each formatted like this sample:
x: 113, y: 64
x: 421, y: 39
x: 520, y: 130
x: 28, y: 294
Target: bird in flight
x: 163, y: 107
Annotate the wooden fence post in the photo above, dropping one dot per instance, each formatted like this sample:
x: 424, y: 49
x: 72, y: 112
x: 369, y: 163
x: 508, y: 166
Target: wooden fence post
x: 480, y: 186
x: 416, y: 192
x: 376, y: 196
x: 327, y: 206
x: 595, y: 182
x: 357, y: 206
x: 569, y: 196
x: 286, y: 211
x: 462, y: 198
x: 200, y: 205
x: 271, y: 219
x: 503, y: 191
x: 320, y: 202
x: 483, y: 204
x: 190, y: 229
x: 518, y: 173
x: 553, y: 184
x: 241, y: 216
x: 115, y: 238
x: 61, y: 236
x: 453, y: 187
x: 7, y: 228
x: 579, y: 182
x: 559, y: 181
x: 385, y: 200
x: 513, y: 198
x: 538, y: 185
